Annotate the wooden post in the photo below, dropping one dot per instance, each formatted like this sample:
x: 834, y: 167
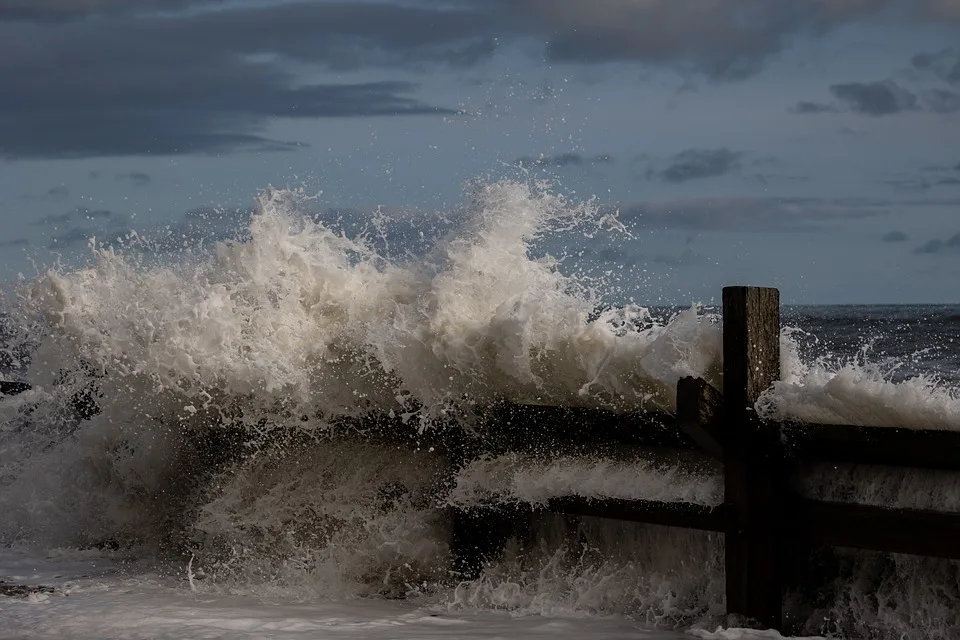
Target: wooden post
x: 754, y: 487
x: 700, y: 414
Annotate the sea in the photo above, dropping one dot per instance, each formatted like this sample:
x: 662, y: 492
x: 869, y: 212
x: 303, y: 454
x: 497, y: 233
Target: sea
x: 190, y: 461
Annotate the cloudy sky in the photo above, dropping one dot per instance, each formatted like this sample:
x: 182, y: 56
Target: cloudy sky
x: 812, y: 145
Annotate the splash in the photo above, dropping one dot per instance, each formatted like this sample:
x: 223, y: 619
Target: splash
x: 218, y: 378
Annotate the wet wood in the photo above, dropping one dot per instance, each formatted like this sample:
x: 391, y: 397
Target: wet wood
x: 754, y: 479
x: 671, y: 514
x: 918, y: 448
x: 700, y: 414
x: 837, y: 524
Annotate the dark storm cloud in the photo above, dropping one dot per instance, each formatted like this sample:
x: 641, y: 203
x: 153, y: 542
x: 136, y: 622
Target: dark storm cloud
x: 694, y: 164
x: 751, y: 214
x: 67, y: 10
x: 88, y: 78
x: 722, y: 39
x: 564, y: 160
x: 189, y: 84
x: 167, y: 120
x: 895, y: 236
x: 950, y: 245
x: 137, y: 178
x: 883, y: 99
x: 875, y: 98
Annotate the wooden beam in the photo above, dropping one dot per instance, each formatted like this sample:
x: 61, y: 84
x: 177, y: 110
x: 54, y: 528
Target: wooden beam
x: 524, y: 427
x: 919, y: 448
x: 700, y: 413
x: 754, y: 479
x: 671, y: 514
x: 914, y: 531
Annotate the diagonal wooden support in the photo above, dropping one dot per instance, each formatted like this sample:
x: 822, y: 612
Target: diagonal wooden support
x: 700, y: 414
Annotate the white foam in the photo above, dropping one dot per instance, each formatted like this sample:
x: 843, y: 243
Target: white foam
x: 660, y: 575
x: 297, y: 323
x: 857, y: 391
x: 531, y: 480
x: 331, y: 519
x: 302, y: 313
x: 881, y: 486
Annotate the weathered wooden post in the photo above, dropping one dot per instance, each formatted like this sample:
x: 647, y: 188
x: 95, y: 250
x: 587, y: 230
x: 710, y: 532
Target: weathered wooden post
x: 753, y: 473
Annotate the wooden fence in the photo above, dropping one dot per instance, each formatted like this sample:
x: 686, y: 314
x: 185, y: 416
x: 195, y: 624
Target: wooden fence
x: 762, y: 519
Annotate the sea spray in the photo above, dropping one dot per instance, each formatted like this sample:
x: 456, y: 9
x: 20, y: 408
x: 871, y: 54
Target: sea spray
x: 218, y: 374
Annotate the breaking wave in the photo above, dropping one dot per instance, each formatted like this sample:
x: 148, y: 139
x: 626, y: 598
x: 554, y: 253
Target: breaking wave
x: 195, y: 406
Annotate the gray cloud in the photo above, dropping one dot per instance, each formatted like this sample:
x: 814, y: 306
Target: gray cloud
x: 89, y: 78
x: 202, y: 121
x: 53, y: 219
x: 137, y: 178
x: 752, y: 214
x: 67, y: 10
x: 944, y: 64
x: 941, y: 100
x: 875, y: 98
x: 59, y: 191
x: 950, y: 245
x: 930, y: 177
x: 564, y: 160
x: 18, y: 242
x: 813, y: 107
x: 895, y: 236
x: 116, y: 86
x: 883, y: 99
x: 694, y: 164
x: 721, y: 39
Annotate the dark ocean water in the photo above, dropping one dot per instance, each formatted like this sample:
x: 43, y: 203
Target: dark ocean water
x: 909, y: 339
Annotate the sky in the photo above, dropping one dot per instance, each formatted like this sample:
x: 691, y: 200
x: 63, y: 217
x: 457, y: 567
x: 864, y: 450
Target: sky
x: 812, y: 145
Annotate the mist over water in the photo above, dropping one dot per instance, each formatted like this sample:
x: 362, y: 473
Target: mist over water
x: 219, y: 376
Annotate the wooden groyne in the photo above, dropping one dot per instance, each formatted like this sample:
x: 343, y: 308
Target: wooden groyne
x: 763, y: 520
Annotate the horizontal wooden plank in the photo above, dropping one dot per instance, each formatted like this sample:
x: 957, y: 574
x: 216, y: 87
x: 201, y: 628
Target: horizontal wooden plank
x: 671, y: 514
x: 919, y: 448
x: 525, y: 426
x: 913, y: 531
